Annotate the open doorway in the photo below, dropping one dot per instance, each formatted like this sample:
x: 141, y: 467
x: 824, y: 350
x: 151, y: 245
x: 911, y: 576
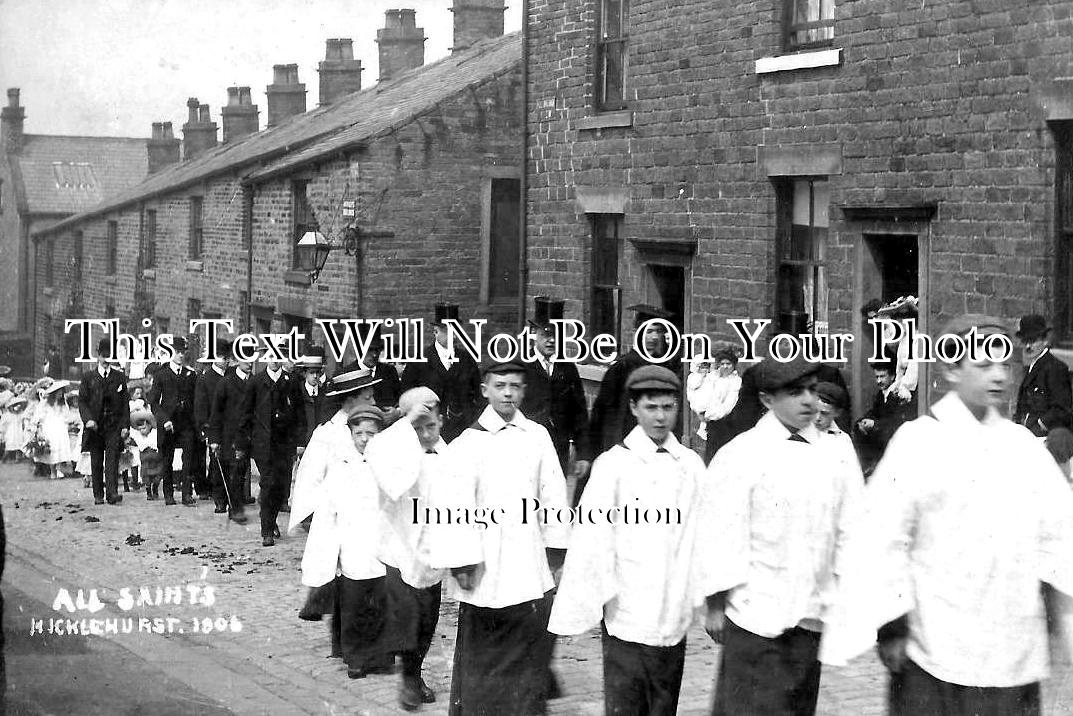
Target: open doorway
x: 667, y: 289
x: 891, y: 268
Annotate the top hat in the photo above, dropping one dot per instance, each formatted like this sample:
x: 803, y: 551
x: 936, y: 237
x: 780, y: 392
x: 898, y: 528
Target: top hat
x: 546, y: 310
x: 445, y: 311
x: 1031, y: 327
x: 104, y: 347
x: 350, y: 382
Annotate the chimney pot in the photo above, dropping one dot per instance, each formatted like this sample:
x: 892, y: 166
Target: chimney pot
x: 232, y: 96
x: 476, y: 20
x: 203, y: 113
x: 239, y: 116
x: 199, y: 132
x: 402, y: 43
x: 12, y: 119
x: 244, y: 97
x: 163, y: 147
x: 340, y: 73
x: 286, y: 95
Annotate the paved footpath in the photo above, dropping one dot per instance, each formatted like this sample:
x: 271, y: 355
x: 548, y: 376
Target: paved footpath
x: 275, y: 663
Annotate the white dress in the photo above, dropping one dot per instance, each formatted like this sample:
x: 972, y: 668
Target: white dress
x: 52, y: 426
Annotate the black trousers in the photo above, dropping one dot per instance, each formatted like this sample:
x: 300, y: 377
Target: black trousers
x: 234, y: 472
x: 415, y: 612
x: 200, y: 476
x: 759, y: 676
x: 915, y: 692
x: 501, y: 655
x: 167, y: 442
x: 275, y: 478
x: 104, y: 446
x: 364, y: 632
x: 641, y: 680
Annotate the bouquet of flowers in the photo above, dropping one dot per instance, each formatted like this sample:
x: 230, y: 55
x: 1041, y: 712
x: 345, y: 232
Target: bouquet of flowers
x: 37, y: 447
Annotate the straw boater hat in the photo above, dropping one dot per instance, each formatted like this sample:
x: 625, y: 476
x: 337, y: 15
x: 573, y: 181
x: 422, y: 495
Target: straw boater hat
x: 350, y: 382
x: 313, y: 357
x: 5, y: 369
x: 58, y: 385
x: 16, y: 402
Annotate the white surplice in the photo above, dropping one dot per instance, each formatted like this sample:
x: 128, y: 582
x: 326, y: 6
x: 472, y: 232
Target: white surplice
x: 641, y: 579
x: 963, y: 521
x: 347, y: 527
x: 505, y: 463
x: 406, y: 472
x: 313, y: 466
x: 776, y: 514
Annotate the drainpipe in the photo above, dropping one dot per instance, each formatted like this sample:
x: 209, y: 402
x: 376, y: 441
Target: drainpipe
x: 523, y: 263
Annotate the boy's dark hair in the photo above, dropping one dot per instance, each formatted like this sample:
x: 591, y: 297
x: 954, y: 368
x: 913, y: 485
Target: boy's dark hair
x: 886, y: 366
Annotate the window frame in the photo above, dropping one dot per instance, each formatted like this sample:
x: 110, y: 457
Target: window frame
x: 784, y: 239
x: 602, y: 42
x: 112, y: 248
x: 508, y: 297
x: 605, y: 229
x: 303, y: 218
x: 791, y: 29
x: 1063, y: 229
x: 196, y: 247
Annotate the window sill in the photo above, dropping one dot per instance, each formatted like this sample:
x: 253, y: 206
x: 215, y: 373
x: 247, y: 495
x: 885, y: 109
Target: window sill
x: 295, y: 277
x: 605, y: 120
x: 799, y: 61
x: 47, y: 291
x: 192, y: 265
x: 149, y: 273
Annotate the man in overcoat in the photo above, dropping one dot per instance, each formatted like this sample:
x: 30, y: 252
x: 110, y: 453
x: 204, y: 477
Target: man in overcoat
x: 105, y: 411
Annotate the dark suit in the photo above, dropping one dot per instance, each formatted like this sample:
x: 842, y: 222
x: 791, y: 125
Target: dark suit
x: 1045, y: 397
x: 888, y: 413
x: 208, y: 478
x: 272, y: 422
x: 104, y: 400
x: 557, y: 402
x: 459, y: 388
x: 314, y: 409
x: 172, y: 400
x: 225, y: 422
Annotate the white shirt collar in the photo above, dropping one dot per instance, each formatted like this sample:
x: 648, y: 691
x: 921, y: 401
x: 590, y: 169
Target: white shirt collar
x: 218, y: 371
x: 491, y: 421
x: 447, y: 357
x: 311, y: 390
x: 176, y: 368
x: 274, y: 374
x: 952, y: 410
x: 242, y: 373
x: 103, y: 372
x: 637, y: 441
x: 774, y: 427
x: 1041, y: 354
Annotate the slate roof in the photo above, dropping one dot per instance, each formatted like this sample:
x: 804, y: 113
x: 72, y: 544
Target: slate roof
x: 66, y: 175
x: 350, y: 121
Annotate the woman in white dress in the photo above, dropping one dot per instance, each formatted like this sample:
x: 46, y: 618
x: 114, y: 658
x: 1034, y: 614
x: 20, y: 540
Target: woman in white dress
x: 51, y: 420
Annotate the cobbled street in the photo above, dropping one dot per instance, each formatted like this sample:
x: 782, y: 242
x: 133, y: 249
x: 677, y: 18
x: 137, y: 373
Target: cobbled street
x: 276, y: 664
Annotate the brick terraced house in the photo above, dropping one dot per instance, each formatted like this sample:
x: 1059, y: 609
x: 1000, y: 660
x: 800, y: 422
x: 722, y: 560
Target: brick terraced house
x: 422, y: 171
x: 792, y: 159
x: 44, y: 179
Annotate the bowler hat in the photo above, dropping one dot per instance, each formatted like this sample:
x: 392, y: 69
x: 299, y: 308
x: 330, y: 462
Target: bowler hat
x: 646, y: 311
x: 772, y: 375
x: 104, y: 347
x: 350, y: 382
x: 313, y: 357
x: 1031, y: 327
x: 444, y: 312
x: 653, y: 378
x: 179, y: 343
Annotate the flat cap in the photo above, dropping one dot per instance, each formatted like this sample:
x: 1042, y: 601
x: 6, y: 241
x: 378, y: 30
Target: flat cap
x: 771, y: 375
x: 498, y: 368
x: 653, y: 377
x: 833, y: 394
x: 366, y: 412
x: 984, y: 325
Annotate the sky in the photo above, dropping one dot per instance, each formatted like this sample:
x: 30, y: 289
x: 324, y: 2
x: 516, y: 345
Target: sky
x: 113, y: 67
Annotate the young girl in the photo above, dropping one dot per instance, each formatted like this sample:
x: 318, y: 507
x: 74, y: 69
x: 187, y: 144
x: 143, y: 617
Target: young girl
x: 143, y: 439
x: 74, y: 429
x: 11, y: 424
x: 716, y: 394
x: 50, y: 422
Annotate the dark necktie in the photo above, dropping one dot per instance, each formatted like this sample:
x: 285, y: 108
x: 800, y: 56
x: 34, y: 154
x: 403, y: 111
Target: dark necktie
x: 798, y: 439
x: 662, y: 449
x: 430, y: 451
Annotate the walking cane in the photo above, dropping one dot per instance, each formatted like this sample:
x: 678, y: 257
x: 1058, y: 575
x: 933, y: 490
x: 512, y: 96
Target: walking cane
x: 227, y: 490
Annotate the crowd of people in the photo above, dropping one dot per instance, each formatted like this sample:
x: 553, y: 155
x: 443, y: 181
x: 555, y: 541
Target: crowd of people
x: 802, y: 537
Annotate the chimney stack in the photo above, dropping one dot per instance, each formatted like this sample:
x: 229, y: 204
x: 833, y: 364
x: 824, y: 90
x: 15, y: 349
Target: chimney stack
x: 11, y: 121
x: 199, y: 132
x: 239, y: 115
x: 402, y: 44
x: 340, y: 73
x: 286, y: 95
x: 476, y: 20
x: 163, y: 147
